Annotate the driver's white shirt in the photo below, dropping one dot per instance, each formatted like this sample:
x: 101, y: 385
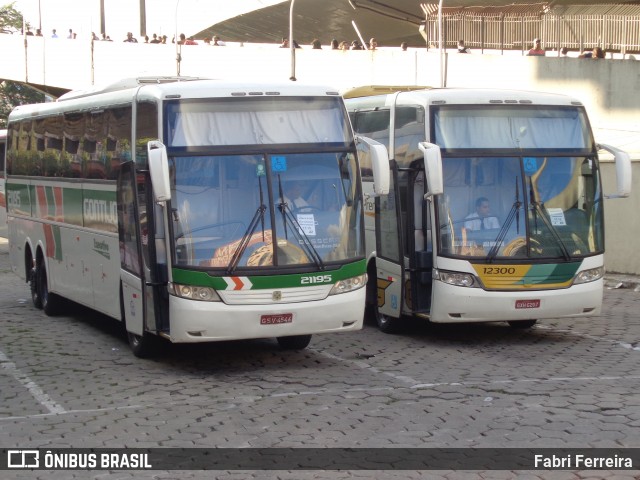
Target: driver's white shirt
x: 474, y: 222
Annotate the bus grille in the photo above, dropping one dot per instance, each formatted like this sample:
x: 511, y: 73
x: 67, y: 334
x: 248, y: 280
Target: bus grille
x: 274, y: 296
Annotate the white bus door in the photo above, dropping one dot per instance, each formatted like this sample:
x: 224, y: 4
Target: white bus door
x: 389, y: 254
x: 140, y: 275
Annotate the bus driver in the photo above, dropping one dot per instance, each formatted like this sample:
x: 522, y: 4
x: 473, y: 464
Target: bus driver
x: 481, y: 219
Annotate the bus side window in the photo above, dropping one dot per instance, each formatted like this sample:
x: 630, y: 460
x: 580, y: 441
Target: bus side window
x: 409, y: 131
x: 375, y: 125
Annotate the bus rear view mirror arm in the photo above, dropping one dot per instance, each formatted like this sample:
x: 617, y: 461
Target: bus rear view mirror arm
x: 159, y: 170
x: 623, y: 170
x: 379, y: 164
x: 432, y: 168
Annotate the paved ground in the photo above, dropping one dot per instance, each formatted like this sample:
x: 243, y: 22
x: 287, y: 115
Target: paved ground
x: 71, y: 381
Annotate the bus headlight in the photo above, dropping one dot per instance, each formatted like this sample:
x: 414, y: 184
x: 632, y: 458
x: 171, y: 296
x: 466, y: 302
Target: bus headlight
x: 590, y: 275
x: 459, y: 279
x: 203, y: 294
x: 349, y: 284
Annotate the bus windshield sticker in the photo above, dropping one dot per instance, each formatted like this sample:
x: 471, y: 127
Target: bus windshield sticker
x: 260, y: 170
x: 530, y: 165
x: 307, y: 223
x: 279, y: 164
x: 557, y: 217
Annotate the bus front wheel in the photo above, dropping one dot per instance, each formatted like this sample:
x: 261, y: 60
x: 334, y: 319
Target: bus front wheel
x: 145, y: 345
x: 522, y: 324
x: 387, y: 324
x: 295, y: 342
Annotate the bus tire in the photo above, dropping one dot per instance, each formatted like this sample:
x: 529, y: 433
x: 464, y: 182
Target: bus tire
x: 295, y: 342
x: 33, y: 286
x: 142, y: 346
x: 522, y: 324
x: 51, y: 303
x: 387, y: 324
x: 145, y: 345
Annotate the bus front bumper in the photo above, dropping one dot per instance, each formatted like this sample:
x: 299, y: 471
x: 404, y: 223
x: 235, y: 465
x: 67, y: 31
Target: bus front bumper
x: 194, y: 321
x: 453, y: 304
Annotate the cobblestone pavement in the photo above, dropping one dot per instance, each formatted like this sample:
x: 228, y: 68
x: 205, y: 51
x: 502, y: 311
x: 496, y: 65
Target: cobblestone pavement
x: 71, y: 381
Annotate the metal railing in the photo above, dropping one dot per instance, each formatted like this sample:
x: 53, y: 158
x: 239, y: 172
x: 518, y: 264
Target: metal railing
x: 613, y: 33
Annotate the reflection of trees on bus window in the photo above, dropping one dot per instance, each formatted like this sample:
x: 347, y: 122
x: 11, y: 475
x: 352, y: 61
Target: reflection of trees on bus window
x: 79, y: 144
x: 146, y: 130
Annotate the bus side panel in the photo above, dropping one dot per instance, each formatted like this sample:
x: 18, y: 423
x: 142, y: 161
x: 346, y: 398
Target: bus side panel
x: 87, y: 271
x: 369, y: 218
x: 75, y: 261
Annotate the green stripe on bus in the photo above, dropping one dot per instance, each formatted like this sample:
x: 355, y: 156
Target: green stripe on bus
x: 58, y: 243
x: 259, y: 282
x: 77, y: 205
x: 18, y: 199
x: 551, y: 273
x: 72, y: 206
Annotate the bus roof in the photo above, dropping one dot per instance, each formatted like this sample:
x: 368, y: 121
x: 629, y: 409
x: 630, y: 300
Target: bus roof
x: 370, y: 90
x: 124, y: 91
x: 478, y: 96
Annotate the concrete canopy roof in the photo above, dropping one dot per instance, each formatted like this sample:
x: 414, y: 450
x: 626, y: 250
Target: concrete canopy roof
x: 389, y: 21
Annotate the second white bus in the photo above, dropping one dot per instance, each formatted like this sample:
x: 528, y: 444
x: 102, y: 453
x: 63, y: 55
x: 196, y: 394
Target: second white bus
x: 495, y: 211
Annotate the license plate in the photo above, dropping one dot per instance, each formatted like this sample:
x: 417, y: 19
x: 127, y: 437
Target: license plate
x: 276, y: 319
x: 528, y: 303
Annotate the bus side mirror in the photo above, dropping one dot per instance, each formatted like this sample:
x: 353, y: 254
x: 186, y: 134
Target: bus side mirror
x: 432, y: 168
x: 379, y: 164
x: 159, y: 170
x: 623, y: 171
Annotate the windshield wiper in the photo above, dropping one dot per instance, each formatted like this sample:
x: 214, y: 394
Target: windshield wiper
x: 303, y: 239
x: 246, y: 238
x: 344, y: 178
x: 537, y: 208
x: 513, y: 213
x: 288, y: 218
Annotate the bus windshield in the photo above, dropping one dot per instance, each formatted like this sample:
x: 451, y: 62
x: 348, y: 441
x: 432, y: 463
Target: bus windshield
x: 517, y: 206
x: 229, y: 211
x: 519, y: 181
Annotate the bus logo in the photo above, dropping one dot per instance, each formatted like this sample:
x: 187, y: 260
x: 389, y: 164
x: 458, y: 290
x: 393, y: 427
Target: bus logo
x: 23, y: 459
x: 276, y: 296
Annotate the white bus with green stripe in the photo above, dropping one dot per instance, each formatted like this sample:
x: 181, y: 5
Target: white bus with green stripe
x: 495, y: 210
x: 163, y: 203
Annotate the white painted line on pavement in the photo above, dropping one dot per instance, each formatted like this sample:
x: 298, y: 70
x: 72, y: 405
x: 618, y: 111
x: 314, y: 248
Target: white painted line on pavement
x: 71, y: 412
x: 365, y: 366
x: 527, y: 380
x: 628, y: 346
x: 235, y: 401
x: 34, y: 389
x: 414, y: 384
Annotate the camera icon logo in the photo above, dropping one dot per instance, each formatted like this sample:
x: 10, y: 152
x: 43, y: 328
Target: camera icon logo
x: 23, y: 458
